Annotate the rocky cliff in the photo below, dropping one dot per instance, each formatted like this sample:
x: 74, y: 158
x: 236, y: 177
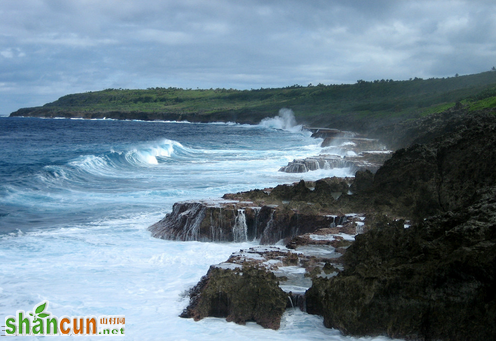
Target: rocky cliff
x: 436, y: 279
x: 433, y: 281
x: 440, y: 176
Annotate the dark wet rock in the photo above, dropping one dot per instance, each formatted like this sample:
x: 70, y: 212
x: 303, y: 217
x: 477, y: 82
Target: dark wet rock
x: 327, y: 191
x: 408, y: 183
x: 436, y: 280
x: 205, y: 221
x: 267, y: 216
x: 328, y: 133
x: 441, y: 176
x: 322, y: 193
x: 297, y: 192
x: 240, y: 294
x: 182, y: 223
x: 297, y: 166
x: 364, y: 180
x: 349, y: 225
x: 238, y: 221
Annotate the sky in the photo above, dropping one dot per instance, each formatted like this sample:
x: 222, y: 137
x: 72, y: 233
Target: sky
x: 50, y: 48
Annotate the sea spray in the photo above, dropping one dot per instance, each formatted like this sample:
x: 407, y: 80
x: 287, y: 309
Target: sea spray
x: 284, y: 121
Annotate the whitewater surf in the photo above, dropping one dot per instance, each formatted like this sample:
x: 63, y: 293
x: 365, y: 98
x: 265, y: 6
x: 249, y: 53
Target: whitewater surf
x: 77, y: 196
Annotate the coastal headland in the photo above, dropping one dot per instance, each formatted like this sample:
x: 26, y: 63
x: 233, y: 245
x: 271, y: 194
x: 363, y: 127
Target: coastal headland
x: 366, y: 107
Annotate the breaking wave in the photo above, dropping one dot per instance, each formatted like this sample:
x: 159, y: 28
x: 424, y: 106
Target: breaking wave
x: 141, y: 156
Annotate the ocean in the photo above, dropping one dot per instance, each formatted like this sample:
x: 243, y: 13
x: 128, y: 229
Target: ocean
x: 77, y: 196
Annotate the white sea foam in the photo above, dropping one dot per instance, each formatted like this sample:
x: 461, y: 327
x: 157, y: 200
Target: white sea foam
x: 114, y: 267
x: 77, y: 224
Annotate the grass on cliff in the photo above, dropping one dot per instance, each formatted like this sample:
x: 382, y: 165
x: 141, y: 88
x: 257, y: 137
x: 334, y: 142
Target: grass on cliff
x: 483, y: 100
x: 379, y: 98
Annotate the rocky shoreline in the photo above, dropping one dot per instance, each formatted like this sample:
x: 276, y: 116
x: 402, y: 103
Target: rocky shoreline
x: 408, y: 251
x: 342, y: 149
x: 267, y: 216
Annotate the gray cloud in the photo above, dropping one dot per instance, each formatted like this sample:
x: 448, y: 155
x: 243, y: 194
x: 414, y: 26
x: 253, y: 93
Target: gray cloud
x: 53, y: 47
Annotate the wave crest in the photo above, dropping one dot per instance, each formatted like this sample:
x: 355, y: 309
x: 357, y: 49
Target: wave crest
x: 150, y: 155
x: 113, y: 163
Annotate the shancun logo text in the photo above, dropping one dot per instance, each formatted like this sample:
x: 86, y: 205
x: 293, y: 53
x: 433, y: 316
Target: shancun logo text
x: 42, y: 322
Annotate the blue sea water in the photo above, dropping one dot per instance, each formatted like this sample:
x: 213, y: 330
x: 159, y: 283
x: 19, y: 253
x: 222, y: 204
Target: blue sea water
x: 77, y: 196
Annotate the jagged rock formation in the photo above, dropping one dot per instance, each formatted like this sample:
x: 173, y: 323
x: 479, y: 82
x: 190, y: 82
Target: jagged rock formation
x: 441, y: 176
x: 260, y: 283
x: 200, y: 221
x: 343, y: 150
x: 322, y: 192
x: 239, y: 294
x: 434, y: 281
x: 364, y: 180
x: 426, y: 129
x: 437, y: 279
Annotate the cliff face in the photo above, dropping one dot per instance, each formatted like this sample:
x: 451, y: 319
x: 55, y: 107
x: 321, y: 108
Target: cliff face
x: 437, y: 279
x: 443, y: 175
x: 245, y: 117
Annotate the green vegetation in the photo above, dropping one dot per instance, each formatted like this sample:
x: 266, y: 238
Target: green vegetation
x: 376, y: 99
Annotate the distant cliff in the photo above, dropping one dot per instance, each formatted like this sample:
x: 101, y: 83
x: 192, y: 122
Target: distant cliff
x: 361, y: 107
x: 246, y: 117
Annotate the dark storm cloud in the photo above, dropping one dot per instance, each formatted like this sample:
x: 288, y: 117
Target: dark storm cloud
x: 53, y: 47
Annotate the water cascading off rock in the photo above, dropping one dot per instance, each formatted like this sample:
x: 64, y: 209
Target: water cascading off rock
x: 235, y: 222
